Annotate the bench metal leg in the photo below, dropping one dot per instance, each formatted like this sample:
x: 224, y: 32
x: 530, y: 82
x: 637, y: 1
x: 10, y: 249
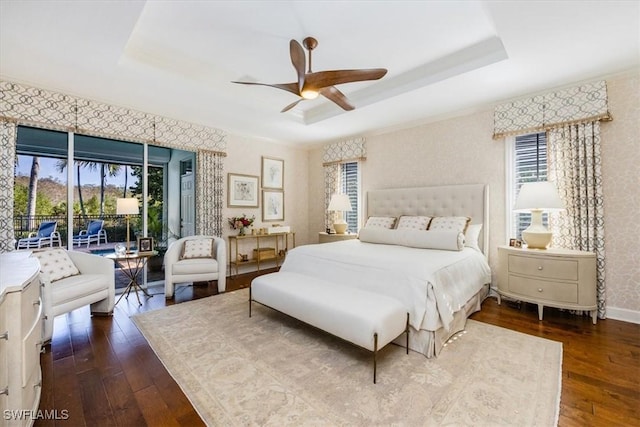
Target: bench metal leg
x: 250, y: 299
x: 375, y: 355
x: 407, y: 331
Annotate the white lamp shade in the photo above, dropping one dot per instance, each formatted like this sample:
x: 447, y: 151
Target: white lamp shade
x: 538, y: 195
x: 127, y: 206
x: 340, y: 202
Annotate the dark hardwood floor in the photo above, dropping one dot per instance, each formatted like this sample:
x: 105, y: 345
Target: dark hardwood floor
x: 102, y: 371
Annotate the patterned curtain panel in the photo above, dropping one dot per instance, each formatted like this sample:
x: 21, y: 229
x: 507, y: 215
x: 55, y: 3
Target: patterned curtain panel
x: 331, y: 186
x: 353, y: 149
x: 7, y: 158
x: 580, y: 104
x: 209, y: 193
x: 334, y: 154
x: 575, y: 166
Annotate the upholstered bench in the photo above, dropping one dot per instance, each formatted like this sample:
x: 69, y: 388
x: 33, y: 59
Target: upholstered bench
x: 363, y: 318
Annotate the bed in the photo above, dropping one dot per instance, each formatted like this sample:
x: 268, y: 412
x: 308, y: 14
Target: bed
x: 439, y: 288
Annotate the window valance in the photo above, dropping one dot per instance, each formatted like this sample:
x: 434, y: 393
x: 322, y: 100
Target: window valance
x: 353, y: 149
x: 51, y: 110
x: 587, y: 102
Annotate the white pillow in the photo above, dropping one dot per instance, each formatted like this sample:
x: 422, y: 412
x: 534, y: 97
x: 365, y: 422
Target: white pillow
x: 450, y: 223
x: 197, y: 248
x: 445, y: 240
x: 413, y: 222
x: 56, y: 264
x: 471, y: 236
x: 381, y: 221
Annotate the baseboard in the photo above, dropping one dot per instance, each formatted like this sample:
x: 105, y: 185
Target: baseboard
x: 624, y: 314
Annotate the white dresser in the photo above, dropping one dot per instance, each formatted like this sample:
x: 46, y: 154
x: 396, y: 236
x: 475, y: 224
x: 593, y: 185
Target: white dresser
x: 554, y: 277
x: 20, y: 338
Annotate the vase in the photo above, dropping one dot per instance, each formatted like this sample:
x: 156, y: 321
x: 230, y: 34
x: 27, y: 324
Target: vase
x: 242, y: 231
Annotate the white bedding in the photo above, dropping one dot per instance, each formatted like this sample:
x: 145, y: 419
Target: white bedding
x: 432, y: 284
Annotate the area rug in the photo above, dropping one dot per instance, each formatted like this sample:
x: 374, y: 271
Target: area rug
x: 271, y: 369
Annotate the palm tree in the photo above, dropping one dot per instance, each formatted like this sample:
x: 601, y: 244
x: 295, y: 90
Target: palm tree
x: 61, y: 165
x: 33, y: 191
x: 112, y: 170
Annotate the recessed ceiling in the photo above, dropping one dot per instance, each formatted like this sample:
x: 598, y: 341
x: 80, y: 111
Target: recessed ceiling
x: 178, y: 58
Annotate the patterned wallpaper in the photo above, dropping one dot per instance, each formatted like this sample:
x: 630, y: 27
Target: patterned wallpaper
x: 621, y: 187
x: 461, y: 151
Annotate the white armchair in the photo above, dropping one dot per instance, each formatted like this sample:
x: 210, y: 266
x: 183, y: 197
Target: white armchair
x: 195, y: 259
x: 94, y: 285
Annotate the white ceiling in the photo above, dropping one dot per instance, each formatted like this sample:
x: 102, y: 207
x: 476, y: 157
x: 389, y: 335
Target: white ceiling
x: 177, y: 58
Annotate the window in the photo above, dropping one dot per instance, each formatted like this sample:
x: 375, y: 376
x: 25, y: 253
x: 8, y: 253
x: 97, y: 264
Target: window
x: 350, y: 185
x: 527, y: 163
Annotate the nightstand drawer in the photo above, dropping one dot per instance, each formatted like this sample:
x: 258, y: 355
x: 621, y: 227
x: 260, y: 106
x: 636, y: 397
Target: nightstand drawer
x: 540, y: 289
x: 544, y: 267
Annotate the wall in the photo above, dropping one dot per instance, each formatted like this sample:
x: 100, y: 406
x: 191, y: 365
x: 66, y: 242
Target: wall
x: 244, y: 156
x: 461, y: 151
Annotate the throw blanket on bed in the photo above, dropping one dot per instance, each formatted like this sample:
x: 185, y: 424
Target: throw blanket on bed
x: 431, y: 284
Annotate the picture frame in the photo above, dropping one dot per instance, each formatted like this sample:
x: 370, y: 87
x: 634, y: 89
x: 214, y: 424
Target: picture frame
x: 272, y: 205
x: 272, y: 173
x: 512, y: 242
x: 518, y: 244
x: 145, y: 245
x: 242, y: 191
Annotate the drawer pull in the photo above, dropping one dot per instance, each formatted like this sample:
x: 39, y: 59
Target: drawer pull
x: 36, y: 302
x: 4, y: 336
x: 4, y: 391
x: 540, y: 268
x: 38, y: 384
x: 539, y: 289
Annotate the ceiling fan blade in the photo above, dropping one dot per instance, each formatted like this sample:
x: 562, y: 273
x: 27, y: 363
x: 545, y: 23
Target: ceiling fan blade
x: 289, y: 87
x: 290, y: 106
x: 298, y: 60
x: 335, y: 77
x: 336, y: 96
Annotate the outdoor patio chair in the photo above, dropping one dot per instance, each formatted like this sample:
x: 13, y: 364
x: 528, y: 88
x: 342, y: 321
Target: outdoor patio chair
x: 45, y: 236
x: 93, y: 233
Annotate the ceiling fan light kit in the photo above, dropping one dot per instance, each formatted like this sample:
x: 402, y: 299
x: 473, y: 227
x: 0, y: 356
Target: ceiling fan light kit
x: 310, y: 84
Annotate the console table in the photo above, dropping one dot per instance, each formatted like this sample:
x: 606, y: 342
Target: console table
x: 279, y: 240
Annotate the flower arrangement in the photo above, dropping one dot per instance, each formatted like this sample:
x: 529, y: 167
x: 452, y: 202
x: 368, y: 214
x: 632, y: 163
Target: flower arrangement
x: 240, y: 222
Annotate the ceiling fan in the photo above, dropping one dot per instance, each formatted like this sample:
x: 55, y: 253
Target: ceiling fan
x: 310, y: 84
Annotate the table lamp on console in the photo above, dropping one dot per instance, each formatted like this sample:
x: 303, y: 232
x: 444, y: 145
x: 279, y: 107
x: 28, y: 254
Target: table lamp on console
x: 538, y: 197
x: 127, y: 206
x: 340, y: 203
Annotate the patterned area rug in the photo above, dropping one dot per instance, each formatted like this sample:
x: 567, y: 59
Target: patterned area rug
x: 273, y: 370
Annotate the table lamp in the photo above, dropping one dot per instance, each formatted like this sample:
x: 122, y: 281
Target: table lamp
x: 537, y: 197
x: 340, y: 203
x: 127, y: 206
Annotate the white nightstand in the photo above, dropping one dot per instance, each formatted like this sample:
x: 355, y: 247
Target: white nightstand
x: 560, y: 278
x: 328, y: 238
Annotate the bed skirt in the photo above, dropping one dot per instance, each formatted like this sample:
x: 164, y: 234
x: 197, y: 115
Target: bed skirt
x: 430, y: 343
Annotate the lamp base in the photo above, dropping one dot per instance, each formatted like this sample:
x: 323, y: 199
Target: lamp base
x: 537, y: 239
x: 340, y: 228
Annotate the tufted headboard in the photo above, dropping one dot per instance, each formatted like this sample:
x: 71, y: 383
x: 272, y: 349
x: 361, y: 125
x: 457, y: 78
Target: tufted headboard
x: 444, y: 200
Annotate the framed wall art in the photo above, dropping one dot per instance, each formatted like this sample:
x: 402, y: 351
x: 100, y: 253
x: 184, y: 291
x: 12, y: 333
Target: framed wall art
x: 272, y: 173
x: 242, y: 191
x: 272, y: 205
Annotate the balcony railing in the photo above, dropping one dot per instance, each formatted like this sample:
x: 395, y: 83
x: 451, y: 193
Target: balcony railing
x: 115, y: 225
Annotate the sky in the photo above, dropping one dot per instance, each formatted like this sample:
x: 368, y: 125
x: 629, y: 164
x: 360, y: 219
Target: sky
x: 48, y: 169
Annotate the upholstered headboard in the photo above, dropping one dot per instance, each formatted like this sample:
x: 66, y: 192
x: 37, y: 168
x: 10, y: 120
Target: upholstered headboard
x: 445, y: 200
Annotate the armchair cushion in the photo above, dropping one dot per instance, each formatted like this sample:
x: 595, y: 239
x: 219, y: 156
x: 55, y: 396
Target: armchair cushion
x: 76, y: 287
x: 194, y: 266
x: 197, y: 248
x: 56, y: 264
